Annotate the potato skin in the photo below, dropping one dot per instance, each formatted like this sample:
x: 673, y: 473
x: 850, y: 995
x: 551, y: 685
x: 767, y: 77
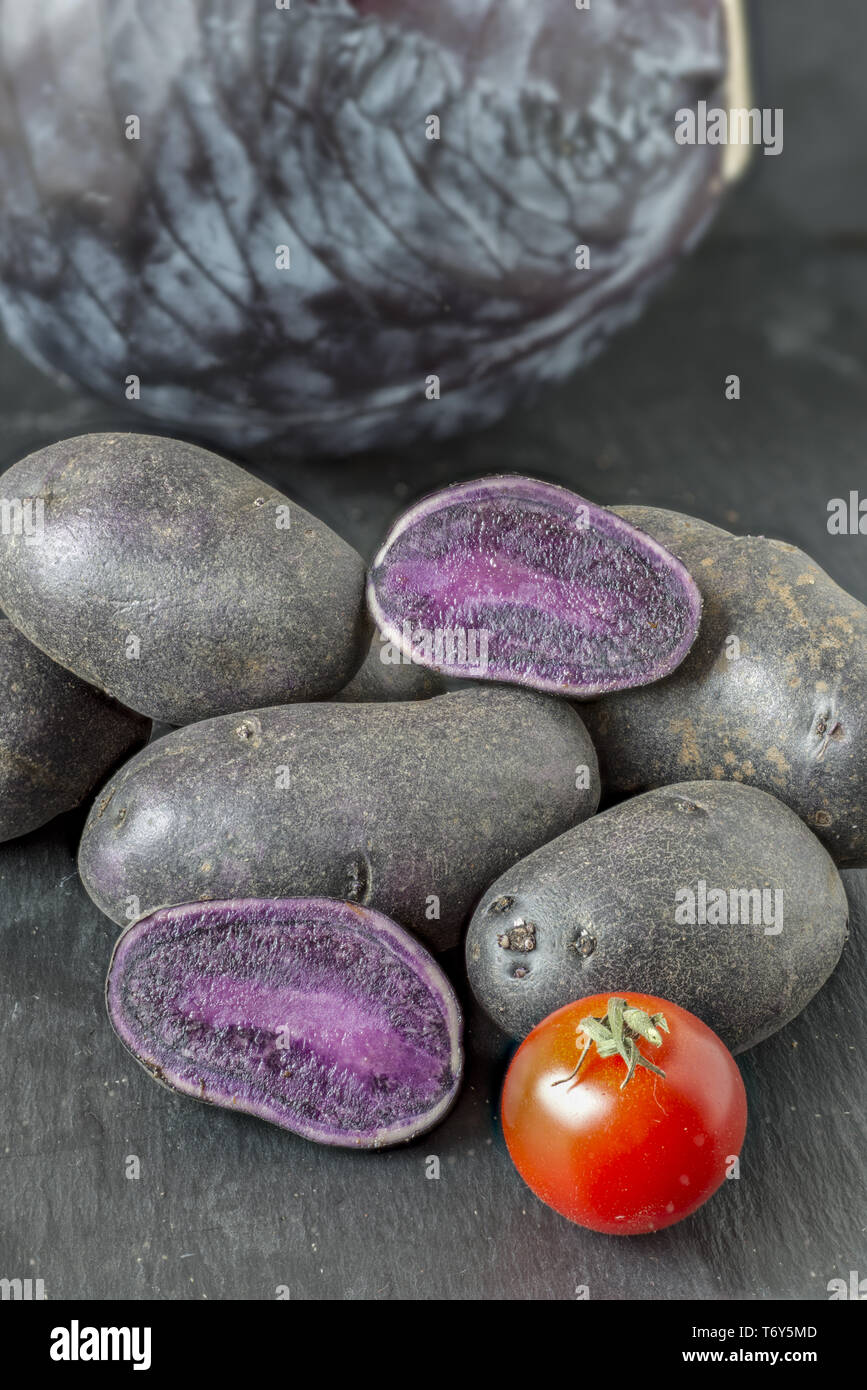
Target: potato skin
x: 384, y: 805
x: 788, y: 715
x: 158, y: 540
x: 377, y: 681
x: 58, y: 737
x: 602, y: 897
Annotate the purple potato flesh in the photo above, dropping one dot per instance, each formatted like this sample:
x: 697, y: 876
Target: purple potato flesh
x: 512, y: 579
x: 323, y: 1017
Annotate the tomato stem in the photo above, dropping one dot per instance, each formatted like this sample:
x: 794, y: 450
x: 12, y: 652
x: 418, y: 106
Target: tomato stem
x: 615, y: 1035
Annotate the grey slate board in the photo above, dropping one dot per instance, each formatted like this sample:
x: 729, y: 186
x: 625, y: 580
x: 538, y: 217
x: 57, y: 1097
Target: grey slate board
x: 226, y: 1207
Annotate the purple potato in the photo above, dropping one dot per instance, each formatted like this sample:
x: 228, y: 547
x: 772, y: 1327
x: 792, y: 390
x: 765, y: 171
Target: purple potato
x: 323, y: 1017
x: 712, y: 894
x: 154, y: 250
x: 59, y: 738
x: 512, y: 579
x: 409, y: 808
x: 772, y: 694
x: 176, y: 581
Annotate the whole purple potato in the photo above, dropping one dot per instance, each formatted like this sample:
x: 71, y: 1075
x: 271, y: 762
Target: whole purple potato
x: 176, y: 581
x: 58, y: 737
x: 408, y: 808
x: 512, y: 579
x: 323, y: 1017
x: 713, y: 894
x: 290, y: 220
x: 773, y: 693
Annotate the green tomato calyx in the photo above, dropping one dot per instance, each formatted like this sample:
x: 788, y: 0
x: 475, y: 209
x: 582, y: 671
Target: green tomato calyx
x: 616, y: 1035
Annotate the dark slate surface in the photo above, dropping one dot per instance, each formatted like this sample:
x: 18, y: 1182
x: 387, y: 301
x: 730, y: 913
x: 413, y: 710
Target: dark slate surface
x: 228, y: 1208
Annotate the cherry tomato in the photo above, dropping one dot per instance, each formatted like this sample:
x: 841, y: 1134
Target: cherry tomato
x: 617, y: 1155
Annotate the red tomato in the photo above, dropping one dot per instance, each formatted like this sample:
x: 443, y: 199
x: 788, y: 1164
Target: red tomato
x: 624, y: 1159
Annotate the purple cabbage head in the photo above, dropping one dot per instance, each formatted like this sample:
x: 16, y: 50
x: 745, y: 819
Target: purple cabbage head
x: 324, y: 1017
x: 284, y: 221
x: 512, y: 579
